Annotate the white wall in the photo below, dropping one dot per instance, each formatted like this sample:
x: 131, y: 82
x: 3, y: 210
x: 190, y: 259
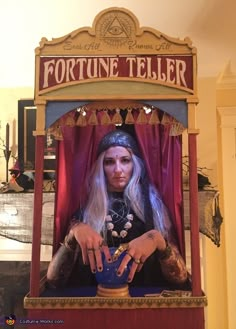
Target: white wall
x: 23, y: 24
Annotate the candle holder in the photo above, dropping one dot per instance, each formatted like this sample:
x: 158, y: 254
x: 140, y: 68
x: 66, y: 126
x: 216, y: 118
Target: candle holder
x: 7, y: 154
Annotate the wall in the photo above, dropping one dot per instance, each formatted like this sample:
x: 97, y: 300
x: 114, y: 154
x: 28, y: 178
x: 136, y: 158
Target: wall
x: 226, y: 109
x: 214, y: 267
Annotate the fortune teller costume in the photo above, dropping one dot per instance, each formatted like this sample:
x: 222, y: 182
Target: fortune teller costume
x: 123, y: 224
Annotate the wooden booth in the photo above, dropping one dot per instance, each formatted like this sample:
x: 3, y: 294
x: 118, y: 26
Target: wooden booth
x: 87, y: 82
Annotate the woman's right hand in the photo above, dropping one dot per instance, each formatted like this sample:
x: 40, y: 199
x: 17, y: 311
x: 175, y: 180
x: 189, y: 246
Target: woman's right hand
x: 92, y: 245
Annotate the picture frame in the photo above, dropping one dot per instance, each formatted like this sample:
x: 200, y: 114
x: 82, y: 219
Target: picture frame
x: 26, y: 140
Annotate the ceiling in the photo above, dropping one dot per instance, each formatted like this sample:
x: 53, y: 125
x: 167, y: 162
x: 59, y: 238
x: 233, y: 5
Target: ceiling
x: 210, y: 24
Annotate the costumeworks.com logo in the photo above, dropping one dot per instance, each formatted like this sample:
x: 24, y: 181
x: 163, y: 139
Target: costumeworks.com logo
x: 10, y: 321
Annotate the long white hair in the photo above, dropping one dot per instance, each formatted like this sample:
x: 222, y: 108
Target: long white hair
x: 98, y: 200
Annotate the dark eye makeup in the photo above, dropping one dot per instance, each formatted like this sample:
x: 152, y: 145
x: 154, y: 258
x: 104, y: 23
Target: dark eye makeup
x: 111, y: 161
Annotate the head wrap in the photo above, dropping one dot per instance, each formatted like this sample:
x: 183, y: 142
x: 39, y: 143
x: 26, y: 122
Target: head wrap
x: 118, y: 138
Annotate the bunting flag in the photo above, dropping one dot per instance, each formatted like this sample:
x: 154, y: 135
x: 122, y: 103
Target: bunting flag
x: 154, y: 119
x: 165, y: 119
x: 176, y: 128
x: 93, y: 119
x: 104, y: 117
x: 70, y: 121
x: 129, y: 120
x: 105, y: 120
x: 81, y: 121
x: 142, y: 118
x: 117, y: 118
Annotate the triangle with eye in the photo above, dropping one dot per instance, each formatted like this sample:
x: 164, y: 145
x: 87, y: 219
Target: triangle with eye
x: 116, y: 30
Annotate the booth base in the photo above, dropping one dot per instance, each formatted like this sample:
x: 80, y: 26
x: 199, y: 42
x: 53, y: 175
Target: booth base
x: 163, y: 318
x: 145, y: 307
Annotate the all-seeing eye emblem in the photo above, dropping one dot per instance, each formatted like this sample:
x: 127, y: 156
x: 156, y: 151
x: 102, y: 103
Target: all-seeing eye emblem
x: 116, y: 29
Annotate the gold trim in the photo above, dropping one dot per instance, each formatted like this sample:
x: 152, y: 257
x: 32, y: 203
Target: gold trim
x: 117, y: 302
x: 113, y: 303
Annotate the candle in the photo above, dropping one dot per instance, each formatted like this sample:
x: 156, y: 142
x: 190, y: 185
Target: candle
x: 7, y: 136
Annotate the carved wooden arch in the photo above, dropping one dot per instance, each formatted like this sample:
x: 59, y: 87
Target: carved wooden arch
x: 115, y: 59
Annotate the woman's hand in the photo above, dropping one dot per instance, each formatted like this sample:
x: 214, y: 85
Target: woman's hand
x: 92, y: 245
x: 140, y: 249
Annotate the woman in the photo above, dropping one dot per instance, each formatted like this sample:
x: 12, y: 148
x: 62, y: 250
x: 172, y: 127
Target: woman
x: 124, y: 210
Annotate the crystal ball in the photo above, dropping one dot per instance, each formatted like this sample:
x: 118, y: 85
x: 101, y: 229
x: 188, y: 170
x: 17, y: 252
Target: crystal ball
x: 108, y: 277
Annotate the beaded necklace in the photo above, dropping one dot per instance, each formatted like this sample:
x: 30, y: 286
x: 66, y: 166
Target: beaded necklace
x: 119, y: 220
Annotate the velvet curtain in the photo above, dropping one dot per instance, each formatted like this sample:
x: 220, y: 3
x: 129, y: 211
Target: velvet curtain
x: 162, y: 154
x: 77, y: 152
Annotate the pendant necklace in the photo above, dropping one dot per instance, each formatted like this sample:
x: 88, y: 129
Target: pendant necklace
x: 119, y: 220
x: 124, y: 231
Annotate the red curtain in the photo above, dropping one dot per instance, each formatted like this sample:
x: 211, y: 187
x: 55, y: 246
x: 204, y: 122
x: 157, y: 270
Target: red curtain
x: 77, y: 152
x: 163, y: 158
x: 75, y: 156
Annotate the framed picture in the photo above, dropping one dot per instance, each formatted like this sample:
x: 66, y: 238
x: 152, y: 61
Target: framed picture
x: 26, y: 140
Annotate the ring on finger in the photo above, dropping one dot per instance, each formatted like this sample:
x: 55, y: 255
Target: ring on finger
x: 103, y: 243
x: 90, y: 250
x: 123, y: 247
x: 127, y: 253
x: 137, y: 261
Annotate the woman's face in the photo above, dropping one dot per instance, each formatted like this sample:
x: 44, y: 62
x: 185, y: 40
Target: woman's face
x: 118, y: 168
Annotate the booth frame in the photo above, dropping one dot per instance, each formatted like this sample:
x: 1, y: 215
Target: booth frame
x: 95, y: 42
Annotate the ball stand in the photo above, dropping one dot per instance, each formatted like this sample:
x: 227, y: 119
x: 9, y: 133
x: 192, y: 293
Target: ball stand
x: 105, y: 291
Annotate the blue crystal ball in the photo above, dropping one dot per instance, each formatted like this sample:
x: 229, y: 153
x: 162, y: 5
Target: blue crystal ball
x: 108, y: 277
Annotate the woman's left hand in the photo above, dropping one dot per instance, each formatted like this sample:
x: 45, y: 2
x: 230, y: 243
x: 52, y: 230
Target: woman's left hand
x: 140, y: 249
